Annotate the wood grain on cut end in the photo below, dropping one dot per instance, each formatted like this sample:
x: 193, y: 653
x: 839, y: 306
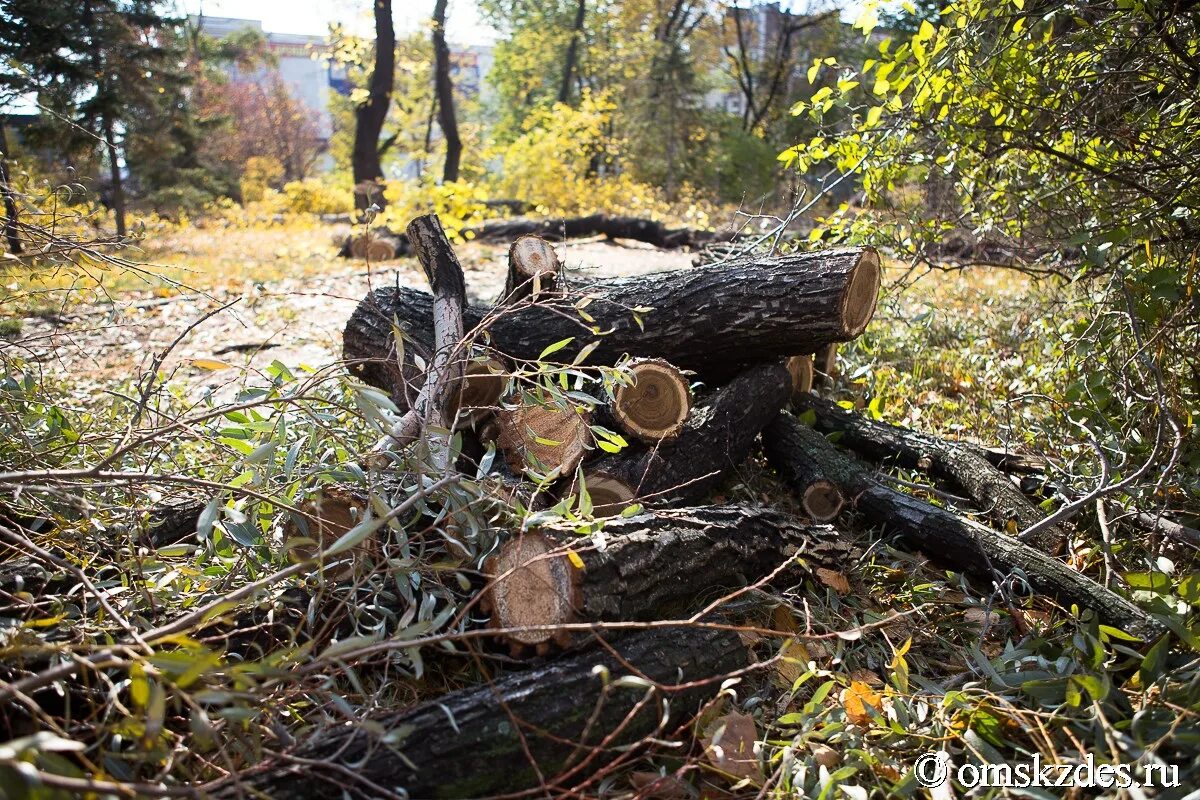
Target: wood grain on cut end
x: 609, y: 494
x: 861, y: 294
x: 822, y: 501
x: 531, y: 586
x: 656, y: 406
x: 532, y: 264
x: 332, y: 512
x: 483, y: 384
x: 545, y: 439
x: 801, y: 370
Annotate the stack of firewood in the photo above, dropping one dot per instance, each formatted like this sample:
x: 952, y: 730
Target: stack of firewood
x: 715, y: 359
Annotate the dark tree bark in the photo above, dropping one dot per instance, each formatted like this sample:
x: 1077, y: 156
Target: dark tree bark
x: 444, y: 91
x: 369, y: 117
x: 557, y: 230
x: 712, y: 320
x: 715, y: 440
x: 653, y: 566
x: 11, y: 218
x: 564, y: 90
x: 794, y: 449
x: 478, y: 742
x: 959, y: 465
x: 114, y: 170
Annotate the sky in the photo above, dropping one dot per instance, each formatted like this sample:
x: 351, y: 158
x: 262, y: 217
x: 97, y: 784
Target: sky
x: 313, y: 16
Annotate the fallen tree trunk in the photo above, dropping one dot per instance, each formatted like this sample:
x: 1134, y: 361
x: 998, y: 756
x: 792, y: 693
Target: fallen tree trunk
x: 716, y: 439
x: 653, y: 566
x: 711, y: 320
x: 793, y: 448
x: 959, y: 465
x: 551, y: 726
x: 559, y: 229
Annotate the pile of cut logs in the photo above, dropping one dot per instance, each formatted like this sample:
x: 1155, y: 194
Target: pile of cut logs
x: 716, y: 360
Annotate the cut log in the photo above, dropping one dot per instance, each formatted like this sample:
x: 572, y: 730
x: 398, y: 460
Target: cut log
x: 437, y: 402
x: 656, y: 405
x: 793, y: 448
x: 376, y: 246
x: 801, y: 370
x: 653, y: 566
x: 331, y: 512
x: 556, y: 230
x: 961, y: 466
x: 609, y: 494
x: 825, y: 365
x: 533, y: 269
x: 710, y: 320
x: 715, y: 440
x: 568, y: 717
x: 543, y: 439
x: 483, y: 384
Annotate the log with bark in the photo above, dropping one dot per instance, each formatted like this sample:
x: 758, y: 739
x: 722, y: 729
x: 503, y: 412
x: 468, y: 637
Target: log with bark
x: 711, y: 320
x: 551, y: 726
x: 546, y: 440
x: 716, y: 439
x: 959, y: 465
x: 796, y: 450
x: 533, y: 269
x: 483, y: 384
x: 654, y: 407
x: 614, y: 227
x: 653, y: 566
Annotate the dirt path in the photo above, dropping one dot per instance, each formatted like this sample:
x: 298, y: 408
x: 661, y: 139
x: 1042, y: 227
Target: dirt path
x: 295, y: 321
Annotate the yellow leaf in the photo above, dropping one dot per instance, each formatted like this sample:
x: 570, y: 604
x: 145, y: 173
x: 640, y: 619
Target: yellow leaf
x: 574, y: 558
x: 858, y: 701
x: 210, y: 364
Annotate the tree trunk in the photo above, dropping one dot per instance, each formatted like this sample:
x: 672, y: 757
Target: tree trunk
x: 958, y: 465
x: 795, y: 449
x: 712, y: 320
x: 114, y: 171
x: 370, y: 116
x: 480, y: 741
x: 557, y: 230
x: 11, y: 219
x: 437, y: 404
x: 564, y: 90
x: 444, y: 90
x: 661, y: 566
x: 715, y: 441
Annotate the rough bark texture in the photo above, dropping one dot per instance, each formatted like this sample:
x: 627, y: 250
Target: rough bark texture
x: 654, y: 566
x: 369, y: 116
x: 958, y: 465
x: 959, y: 543
x: 558, y: 229
x: 715, y: 440
x: 11, y: 219
x: 712, y: 320
x: 478, y: 742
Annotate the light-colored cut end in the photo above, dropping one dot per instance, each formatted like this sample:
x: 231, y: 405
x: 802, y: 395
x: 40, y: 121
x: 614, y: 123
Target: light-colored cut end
x: 656, y: 406
x: 801, y: 370
x: 530, y: 587
x: 822, y: 501
x: 609, y: 495
x: 483, y: 384
x: 861, y: 295
x: 372, y: 247
x: 545, y: 439
x: 329, y: 515
x: 533, y: 255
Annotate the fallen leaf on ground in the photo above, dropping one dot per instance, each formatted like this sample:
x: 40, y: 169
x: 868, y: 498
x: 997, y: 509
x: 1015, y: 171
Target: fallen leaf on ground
x: 858, y: 700
x: 834, y: 580
x: 729, y: 747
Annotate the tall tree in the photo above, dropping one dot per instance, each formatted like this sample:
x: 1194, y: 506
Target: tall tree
x: 370, y: 115
x: 564, y: 91
x: 11, y: 219
x: 444, y: 91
